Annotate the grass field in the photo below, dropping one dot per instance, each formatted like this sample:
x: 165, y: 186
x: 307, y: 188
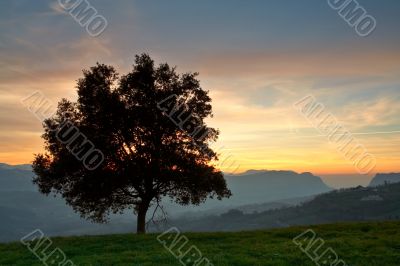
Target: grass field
x: 376, y: 243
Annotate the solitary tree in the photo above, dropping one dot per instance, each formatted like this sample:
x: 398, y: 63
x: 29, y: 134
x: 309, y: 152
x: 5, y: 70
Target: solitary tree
x: 130, y: 141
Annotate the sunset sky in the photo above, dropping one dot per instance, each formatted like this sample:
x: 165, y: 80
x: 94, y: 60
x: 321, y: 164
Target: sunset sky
x: 257, y: 58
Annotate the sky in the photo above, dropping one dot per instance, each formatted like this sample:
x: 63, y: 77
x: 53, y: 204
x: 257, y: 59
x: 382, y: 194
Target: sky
x: 256, y: 58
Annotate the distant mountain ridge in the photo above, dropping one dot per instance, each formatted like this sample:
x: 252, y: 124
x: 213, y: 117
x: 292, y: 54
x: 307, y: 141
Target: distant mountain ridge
x: 251, y: 187
x: 23, y: 208
x: 27, y: 167
x: 255, y: 186
x: 381, y: 179
x: 18, y: 177
x: 256, y: 193
x: 345, y: 205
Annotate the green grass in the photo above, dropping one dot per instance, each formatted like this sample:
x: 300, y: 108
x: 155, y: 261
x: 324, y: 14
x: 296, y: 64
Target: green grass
x: 364, y: 244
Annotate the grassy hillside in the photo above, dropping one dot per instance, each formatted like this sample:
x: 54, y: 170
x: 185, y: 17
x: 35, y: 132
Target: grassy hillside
x: 374, y: 243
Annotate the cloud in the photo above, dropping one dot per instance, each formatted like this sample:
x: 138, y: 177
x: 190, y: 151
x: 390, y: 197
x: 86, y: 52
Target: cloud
x: 376, y: 112
x: 253, y: 88
x: 284, y: 64
x: 57, y: 9
x: 62, y: 62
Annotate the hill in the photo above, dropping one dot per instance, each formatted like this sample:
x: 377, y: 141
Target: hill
x: 381, y: 179
x: 355, y: 204
x: 256, y: 187
x: 23, y: 208
x: 367, y: 244
x: 16, y: 178
x: 262, y: 186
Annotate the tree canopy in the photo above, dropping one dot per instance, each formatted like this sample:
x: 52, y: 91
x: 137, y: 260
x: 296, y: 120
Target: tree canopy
x: 129, y: 141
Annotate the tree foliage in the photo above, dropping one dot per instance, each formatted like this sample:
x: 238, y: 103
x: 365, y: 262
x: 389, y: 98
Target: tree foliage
x: 146, y: 155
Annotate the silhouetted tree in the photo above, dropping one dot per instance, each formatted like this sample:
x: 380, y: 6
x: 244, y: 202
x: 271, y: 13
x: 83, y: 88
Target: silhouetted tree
x: 119, y: 146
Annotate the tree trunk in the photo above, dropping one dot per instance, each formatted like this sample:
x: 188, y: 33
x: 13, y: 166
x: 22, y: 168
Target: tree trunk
x: 141, y: 218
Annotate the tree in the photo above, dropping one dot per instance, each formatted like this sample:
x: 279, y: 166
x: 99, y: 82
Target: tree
x: 119, y: 146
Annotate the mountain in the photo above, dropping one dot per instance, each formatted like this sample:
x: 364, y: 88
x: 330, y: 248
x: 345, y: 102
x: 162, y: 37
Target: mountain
x: 257, y: 187
x: 18, y: 178
x: 26, y: 167
x: 23, y: 208
x: 263, y: 186
x: 345, y: 205
x: 381, y: 179
x: 339, y: 181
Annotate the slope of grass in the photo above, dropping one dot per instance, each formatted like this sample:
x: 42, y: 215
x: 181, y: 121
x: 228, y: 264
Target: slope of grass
x: 373, y: 243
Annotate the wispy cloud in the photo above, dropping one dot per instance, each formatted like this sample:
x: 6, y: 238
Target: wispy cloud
x: 255, y: 70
